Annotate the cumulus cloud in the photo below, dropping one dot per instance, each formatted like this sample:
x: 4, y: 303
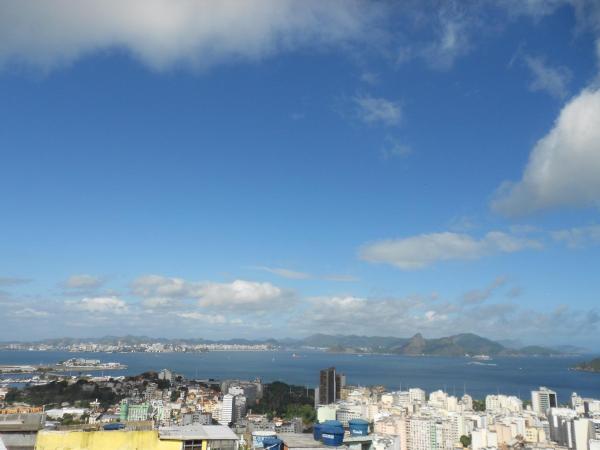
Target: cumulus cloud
x: 159, y: 286
x: 248, y: 295
x: 563, y: 166
x: 83, y: 281
x: 359, y: 313
x: 102, y: 305
x: 377, y: 110
x: 157, y: 302
x: 553, y: 80
x: 405, y: 316
x: 162, y: 33
x: 242, y: 294
x: 578, y: 236
x: 417, y: 252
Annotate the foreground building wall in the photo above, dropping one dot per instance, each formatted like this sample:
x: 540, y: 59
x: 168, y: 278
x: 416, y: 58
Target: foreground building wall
x: 103, y: 440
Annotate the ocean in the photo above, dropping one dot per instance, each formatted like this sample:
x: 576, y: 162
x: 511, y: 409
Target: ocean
x: 514, y: 375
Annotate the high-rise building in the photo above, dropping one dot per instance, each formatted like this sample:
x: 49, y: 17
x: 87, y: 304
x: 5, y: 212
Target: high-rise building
x: 543, y: 399
x: 227, y: 411
x: 330, y: 384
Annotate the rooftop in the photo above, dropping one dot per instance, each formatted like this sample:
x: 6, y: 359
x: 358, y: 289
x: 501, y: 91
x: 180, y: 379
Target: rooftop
x: 302, y: 440
x: 207, y: 432
x: 21, y: 422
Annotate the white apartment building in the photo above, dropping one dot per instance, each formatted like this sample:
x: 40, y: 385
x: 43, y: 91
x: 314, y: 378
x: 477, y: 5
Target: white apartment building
x: 503, y: 403
x: 543, y: 399
x: 482, y: 439
x: 227, y: 410
x: 417, y: 395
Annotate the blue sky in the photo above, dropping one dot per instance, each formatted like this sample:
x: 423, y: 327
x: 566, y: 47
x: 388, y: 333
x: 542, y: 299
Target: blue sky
x: 278, y: 168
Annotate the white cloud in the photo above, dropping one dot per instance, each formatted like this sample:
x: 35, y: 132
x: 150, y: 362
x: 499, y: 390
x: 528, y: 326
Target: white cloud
x: 285, y: 273
x: 578, y: 236
x: 157, y: 302
x: 213, y: 319
x: 553, y: 80
x: 452, y: 36
x: 30, y: 313
x: 480, y: 295
x: 164, y: 287
x: 563, y: 167
x: 405, y: 316
x: 534, y: 8
x: 248, y: 295
x: 163, y: 33
x: 377, y: 110
x: 242, y: 294
x: 393, y: 148
x: 370, y: 78
x: 417, y: 252
x: 83, y: 281
x: 102, y: 305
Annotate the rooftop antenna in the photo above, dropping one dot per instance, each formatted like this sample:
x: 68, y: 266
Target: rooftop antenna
x: 464, y: 388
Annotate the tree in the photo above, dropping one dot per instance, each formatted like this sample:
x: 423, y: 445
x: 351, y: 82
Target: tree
x: 479, y: 405
x: 465, y: 441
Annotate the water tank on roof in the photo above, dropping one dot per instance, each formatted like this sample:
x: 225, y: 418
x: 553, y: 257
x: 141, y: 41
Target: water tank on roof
x: 272, y: 443
x: 333, y: 423
x: 332, y: 436
x: 113, y: 426
x: 358, y: 427
x: 317, y: 431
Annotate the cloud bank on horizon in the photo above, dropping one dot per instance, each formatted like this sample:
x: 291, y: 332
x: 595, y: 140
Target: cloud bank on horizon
x: 486, y: 113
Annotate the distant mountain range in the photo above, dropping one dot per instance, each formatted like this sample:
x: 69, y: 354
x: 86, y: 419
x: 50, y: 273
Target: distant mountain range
x: 457, y: 345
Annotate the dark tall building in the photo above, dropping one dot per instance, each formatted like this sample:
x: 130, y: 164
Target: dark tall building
x: 330, y: 384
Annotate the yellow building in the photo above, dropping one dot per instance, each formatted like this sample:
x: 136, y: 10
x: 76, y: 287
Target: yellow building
x: 192, y: 437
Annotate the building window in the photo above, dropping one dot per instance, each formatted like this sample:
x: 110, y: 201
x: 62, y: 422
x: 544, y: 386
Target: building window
x: 195, y: 444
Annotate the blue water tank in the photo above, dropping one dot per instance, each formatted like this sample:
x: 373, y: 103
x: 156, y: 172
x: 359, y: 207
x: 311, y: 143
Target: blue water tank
x: 272, y: 443
x: 113, y: 426
x: 358, y: 427
x: 332, y: 436
x: 317, y: 431
x: 333, y: 423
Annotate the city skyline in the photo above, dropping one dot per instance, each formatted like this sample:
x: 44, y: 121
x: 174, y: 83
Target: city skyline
x: 213, y: 170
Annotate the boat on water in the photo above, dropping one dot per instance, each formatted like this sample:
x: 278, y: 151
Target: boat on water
x: 482, y: 357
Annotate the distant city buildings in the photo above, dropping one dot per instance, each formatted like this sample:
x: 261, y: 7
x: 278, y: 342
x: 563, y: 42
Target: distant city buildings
x: 168, y: 408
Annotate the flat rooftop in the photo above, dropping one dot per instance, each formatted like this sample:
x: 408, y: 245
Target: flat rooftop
x: 302, y: 440
x: 306, y: 441
x: 21, y: 422
x: 205, y: 432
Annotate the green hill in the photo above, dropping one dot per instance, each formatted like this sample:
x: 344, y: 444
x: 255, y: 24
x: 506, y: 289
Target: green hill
x: 589, y: 366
